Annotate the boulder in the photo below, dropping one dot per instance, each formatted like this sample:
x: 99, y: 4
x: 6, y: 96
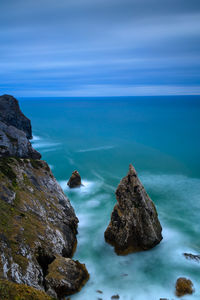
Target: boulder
x: 10, y: 114
x: 184, y: 286
x: 65, y: 277
x: 75, y: 180
x: 134, y: 224
x: 13, y: 142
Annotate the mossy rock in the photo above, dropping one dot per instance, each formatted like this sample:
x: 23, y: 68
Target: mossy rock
x: 13, y: 291
x: 184, y: 286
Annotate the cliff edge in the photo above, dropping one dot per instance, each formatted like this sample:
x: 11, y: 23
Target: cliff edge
x: 38, y: 225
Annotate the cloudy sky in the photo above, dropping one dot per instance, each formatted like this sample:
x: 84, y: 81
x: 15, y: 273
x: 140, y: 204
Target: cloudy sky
x: 99, y: 47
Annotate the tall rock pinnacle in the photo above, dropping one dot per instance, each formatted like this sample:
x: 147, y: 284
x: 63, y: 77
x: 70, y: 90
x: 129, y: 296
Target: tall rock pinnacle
x: 134, y: 224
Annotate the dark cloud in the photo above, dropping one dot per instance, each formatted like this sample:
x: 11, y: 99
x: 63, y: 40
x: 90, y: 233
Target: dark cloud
x: 84, y: 46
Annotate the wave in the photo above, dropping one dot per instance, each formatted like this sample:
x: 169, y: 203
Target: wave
x: 87, y: 187
x: 96, y: 149
x: 35, y: 138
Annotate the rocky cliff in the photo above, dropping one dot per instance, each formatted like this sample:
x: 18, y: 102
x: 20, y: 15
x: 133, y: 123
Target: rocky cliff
x: 134, y: 224
x: 12, y: 115
x: 38, y: 225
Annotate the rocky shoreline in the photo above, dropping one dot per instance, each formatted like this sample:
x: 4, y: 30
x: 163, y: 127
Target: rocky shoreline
x: 38, y: 225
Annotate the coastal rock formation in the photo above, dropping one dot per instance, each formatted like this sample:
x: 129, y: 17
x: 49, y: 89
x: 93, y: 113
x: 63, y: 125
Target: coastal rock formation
x: 134, y: 224
x: 61, y: 274
x: 13, y: 142
x: 37, y: 222
x: 184, y: 286
x: 75, y: 180
x: 10, y: 114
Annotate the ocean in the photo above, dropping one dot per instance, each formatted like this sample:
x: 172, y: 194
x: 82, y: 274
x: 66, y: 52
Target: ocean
x: 100, y: 137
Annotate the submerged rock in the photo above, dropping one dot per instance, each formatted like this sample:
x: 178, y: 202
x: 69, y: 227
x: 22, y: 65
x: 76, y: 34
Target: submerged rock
x: 10, y: 114
x: 134, y: 224
x: 192, y: 257
x: 65, y: 277
x: 75, y: 180
x: 184, y: 286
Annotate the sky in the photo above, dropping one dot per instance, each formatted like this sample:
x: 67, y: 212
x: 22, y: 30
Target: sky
x: 99, y: 47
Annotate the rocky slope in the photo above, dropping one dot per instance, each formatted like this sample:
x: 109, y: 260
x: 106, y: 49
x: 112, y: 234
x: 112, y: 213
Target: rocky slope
x: 38, y: 225
x: 134, y: 224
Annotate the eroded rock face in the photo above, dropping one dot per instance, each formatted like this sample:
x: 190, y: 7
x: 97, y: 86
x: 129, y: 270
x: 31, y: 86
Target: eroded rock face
x: 13, y: 142
x: 10, y: 114
x: 61, y: 274
x: 134, y: 224
x: 184, y: 286
x: 75, y: 180
x: 37, y: 222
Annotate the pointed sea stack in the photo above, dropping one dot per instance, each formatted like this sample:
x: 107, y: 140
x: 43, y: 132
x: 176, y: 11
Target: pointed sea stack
x: 75, y: 180
x: 134, y: 224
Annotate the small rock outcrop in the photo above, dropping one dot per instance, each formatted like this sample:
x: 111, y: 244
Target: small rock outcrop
x: 184, y: 286
x: 61, y: 274
x: 38, y: 225
x: 75, y: 180
x: 134, y: 224
x: 10, y: 114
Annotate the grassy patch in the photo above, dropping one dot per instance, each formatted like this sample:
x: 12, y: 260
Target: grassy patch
x: 13, y: 291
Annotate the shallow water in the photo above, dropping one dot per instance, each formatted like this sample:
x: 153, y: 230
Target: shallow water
x: 100, y: 137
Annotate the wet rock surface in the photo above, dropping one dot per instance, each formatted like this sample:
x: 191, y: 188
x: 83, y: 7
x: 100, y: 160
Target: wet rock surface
x: 134, y: 224
x: 65, y: 277
x: 75, y: 180
x: 10, y: 114
x: 193, y: 257
x: 184, y: 286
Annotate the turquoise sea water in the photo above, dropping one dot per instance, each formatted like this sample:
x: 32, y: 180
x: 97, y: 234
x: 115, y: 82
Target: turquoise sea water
x: 100, y: 137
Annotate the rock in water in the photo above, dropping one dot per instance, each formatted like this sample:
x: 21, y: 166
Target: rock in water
x: 184, y: 286
x: 134, y: 224
x: 75, y: 180
x: 10, y: 114
x: 60, y: 279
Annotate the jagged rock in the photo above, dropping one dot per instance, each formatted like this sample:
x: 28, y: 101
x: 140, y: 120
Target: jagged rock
x: 13, y: 142
x: 184, y: 286
x: 37, y: 224
x: 192, y: 257
x: 134, y: 224
x: 65, y: 277
x: 10, y: 114
x: 75, y: 180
